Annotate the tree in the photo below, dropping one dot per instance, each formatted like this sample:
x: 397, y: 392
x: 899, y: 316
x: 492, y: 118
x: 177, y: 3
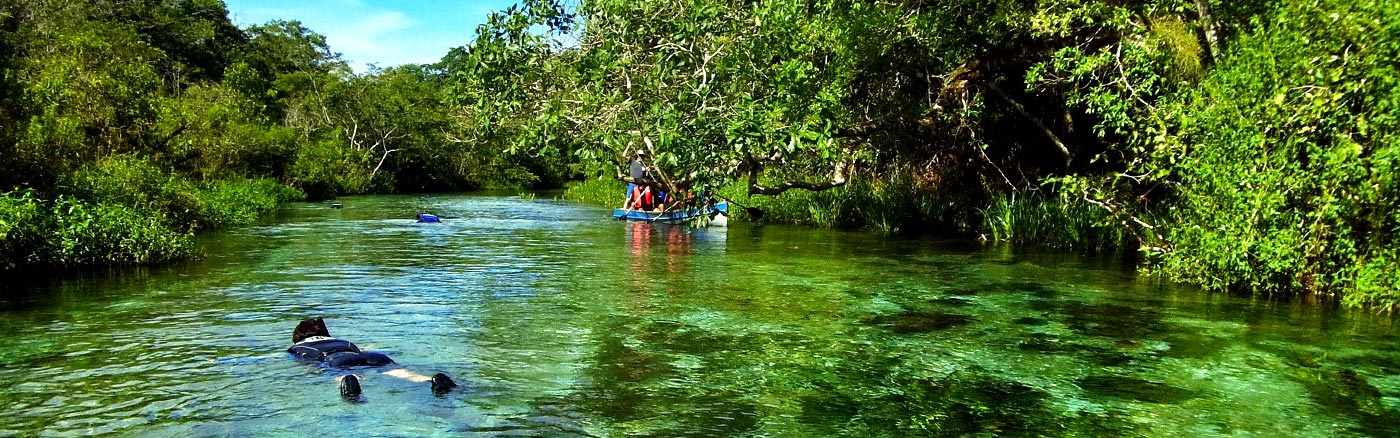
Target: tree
x: 395, y: 117
x: 84, y: 93
x: 511, y: 91
x: 283, y: 64
x: 196, y: 36
x: 1284, y: 160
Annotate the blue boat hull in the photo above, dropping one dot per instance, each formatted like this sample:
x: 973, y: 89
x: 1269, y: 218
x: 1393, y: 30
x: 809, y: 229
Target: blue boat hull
x: 672, y: 216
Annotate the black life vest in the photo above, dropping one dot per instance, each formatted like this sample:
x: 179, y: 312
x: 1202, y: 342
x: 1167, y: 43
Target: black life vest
x: 317, y: 348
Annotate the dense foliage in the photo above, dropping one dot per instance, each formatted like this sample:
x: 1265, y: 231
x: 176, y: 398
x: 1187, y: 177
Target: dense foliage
x: 127, y: 126
x: 1246, y: 145
x: 1243, y: 145
x: 1287, y: 156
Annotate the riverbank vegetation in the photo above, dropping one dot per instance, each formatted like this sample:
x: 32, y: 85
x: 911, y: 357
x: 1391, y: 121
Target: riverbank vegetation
x: 1244, y: 146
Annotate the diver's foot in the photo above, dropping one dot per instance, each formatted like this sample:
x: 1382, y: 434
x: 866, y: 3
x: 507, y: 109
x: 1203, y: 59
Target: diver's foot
x: 442, y: 384
x: 350, y: 387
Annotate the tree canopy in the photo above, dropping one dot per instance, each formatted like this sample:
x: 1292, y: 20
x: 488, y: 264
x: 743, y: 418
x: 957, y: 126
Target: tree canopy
x: 1240, y: 145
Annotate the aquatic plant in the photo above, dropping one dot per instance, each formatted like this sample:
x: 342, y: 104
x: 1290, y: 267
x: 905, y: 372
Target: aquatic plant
x: 598, y: 191
x: 1037, y: 219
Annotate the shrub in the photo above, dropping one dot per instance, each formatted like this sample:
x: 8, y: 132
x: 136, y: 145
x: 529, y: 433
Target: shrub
x: 22, y: 229
x: 132, y: 181
x: 104, y: 234
x: 235, y: 202
x: 138, y: 184
x: 601, y: 191
x: 1287, y: 158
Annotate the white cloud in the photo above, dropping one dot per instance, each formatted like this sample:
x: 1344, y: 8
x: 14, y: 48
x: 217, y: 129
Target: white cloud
x: 376, y: 37
x: 386, y: 33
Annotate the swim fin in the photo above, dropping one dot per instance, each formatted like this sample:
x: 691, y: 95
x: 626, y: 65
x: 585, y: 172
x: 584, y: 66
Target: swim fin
x: 442, y: 384
x: 350, y: 387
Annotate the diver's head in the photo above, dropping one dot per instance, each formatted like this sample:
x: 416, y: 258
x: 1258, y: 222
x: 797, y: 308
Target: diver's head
x: 310, y: 327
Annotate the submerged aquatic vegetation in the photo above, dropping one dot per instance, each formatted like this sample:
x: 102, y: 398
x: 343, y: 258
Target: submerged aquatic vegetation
x: 560, y: 330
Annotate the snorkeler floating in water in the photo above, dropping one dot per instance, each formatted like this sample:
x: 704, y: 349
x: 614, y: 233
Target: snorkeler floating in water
x: 312, y: 341
x: 428, y: 218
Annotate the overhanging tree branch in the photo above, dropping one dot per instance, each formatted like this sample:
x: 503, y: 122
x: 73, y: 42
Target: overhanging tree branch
x: 1045, y: 129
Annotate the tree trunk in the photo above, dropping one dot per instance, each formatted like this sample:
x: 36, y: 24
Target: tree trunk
x: 1208, y: 27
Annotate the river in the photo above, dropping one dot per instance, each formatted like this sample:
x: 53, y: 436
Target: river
x: 558, y: 321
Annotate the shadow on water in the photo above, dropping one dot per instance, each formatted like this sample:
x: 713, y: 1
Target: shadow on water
x: 45, y: 290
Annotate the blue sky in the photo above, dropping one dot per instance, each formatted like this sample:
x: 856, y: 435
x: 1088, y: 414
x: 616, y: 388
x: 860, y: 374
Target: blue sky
x: 385, y: 33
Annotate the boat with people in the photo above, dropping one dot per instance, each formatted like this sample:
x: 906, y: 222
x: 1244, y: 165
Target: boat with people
x: 712, y: 214
x: 652, y: 197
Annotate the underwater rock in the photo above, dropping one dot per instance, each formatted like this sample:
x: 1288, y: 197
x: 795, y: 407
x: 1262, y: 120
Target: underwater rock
x: 955, y: 301
x: 1129, y: 388
x: 920, y: 322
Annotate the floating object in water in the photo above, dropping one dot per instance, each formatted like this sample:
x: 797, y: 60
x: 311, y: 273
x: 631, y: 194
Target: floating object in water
x: 425, y: 217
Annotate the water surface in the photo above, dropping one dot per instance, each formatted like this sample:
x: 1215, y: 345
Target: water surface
x: 559, y: 321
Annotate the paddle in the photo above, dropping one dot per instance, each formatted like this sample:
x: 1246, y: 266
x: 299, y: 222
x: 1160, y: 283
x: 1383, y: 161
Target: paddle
x: 664, y: 210
x: 753, y: 212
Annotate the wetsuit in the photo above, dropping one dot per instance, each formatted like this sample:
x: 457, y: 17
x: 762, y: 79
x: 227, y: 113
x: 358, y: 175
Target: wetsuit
x: 336, y: 353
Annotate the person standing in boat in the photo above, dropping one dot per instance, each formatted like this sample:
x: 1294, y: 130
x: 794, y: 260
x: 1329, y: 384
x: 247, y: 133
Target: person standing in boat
x: 638, y: 173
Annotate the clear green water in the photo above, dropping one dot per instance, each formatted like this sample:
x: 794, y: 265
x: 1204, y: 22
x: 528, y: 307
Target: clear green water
x: 559, y: 321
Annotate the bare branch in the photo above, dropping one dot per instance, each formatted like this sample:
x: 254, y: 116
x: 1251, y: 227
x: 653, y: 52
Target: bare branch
x: 1045, y: 129
x: 839, y: 176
